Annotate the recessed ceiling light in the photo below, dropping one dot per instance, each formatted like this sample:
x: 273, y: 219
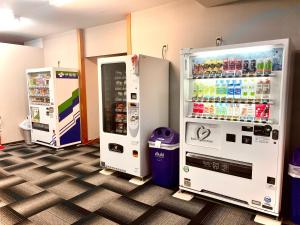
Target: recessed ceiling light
x: 59, y: 3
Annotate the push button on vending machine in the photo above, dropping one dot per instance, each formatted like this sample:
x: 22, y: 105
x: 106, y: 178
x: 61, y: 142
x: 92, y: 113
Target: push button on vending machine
x: 275, y: 134
x: 230, y: 137
x: 247, y: 140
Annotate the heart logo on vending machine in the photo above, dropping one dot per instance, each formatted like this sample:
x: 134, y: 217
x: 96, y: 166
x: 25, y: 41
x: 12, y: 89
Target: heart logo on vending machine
x: 203, y: 133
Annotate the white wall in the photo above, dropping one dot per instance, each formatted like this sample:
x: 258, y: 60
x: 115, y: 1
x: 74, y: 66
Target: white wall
x: 106, y: 39
x: 14, y: 60
x: 61, y: 47
x: 187, y: 24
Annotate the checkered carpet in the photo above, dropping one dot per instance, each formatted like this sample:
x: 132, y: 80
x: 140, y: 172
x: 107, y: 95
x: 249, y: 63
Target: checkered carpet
x: 39, y: 186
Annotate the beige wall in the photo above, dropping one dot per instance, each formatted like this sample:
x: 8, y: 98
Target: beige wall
x: 61, y: 47
x: 92, y: 97
x: 14, y: 60
x: 105, y: 39
x: 187, y: 24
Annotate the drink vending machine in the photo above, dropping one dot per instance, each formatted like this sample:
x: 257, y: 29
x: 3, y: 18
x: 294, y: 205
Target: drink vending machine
x: 133, y: 101
x: 53, y: 96
x: 234, y: 119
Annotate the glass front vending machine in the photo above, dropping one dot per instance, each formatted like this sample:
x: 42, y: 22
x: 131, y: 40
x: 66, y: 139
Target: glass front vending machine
x: 234, y: 119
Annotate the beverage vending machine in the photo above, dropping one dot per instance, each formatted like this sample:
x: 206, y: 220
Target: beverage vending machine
x: 234, y: 119
x: 133, y: 101
x: 53, y: 96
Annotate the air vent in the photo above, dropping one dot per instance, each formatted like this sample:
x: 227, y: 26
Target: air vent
x: 212, y: 3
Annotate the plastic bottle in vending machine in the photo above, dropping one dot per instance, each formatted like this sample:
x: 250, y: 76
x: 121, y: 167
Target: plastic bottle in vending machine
x: 223, y: 90
x: 224, y: 109
x: 237, y: 89
x: 251, y: 89
x: 244, y: 112
x: 259, y: 89
x: 251, y: 112
x: 218, y: 110
x: 211, y: 110
x: 218, y: 90
x: 230, y: 89
x: 266, y: 89
x: 205, y: 110
x: 244, y: 89
x: 268, y: 66
x: 230, y: 108
x: 212, y: 89
x: 260, y: 66
x: 236, y: 111
x: 206, y: 89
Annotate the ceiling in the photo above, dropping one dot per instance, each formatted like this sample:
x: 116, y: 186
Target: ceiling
x: 44, y: 19
x: 211, y: 3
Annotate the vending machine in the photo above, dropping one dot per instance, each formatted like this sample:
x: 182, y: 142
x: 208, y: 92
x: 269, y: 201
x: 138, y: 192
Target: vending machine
x: 133, y: 101
x: 53, y: 96
x: 234, y: 120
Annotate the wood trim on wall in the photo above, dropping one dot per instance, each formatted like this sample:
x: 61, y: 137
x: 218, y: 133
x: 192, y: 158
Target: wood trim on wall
x: 82, y: 87
x: 129, y: 41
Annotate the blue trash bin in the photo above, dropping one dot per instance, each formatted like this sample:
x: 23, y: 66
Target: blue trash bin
x: 294, y: 172
x: 164, y: 148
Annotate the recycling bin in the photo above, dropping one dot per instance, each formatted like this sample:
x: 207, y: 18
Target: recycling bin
x: 294, y: 173
x: 164, y: 150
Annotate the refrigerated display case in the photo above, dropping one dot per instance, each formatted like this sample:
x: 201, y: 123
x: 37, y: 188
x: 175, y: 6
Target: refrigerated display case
x: 133, y: 95
x: 53, y: 96
x: 234, y: 119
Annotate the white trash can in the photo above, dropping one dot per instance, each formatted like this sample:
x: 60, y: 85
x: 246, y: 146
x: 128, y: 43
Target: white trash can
x: 26, y: 130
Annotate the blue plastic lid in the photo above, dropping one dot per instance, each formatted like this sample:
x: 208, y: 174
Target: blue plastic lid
x: 296, y: 157
x: 165, y: 135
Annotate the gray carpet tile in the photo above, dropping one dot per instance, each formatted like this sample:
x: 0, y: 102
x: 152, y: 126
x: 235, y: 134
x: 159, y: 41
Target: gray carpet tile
x: 10, y: 217
x: 46, y: 160
x: 96, y: 178
x: 94, y: 219
x: 83, y: 158
x: 80, y: 170
x: 124, y: 210
x: 70, y: 189
x: 95, y: 198
x: 39, y: 186
x: 10, y: 181
x: 64, y: 213
x: 119, y: 185
x: 62, y: 165
x: 25, y: 189
x: 228, y: 215
x: 20, y: 167
x: 35, y: 173
x: 52, y: 179
x: 151, y: 194
x: 162, y: 217
x: 35, y: 204
x: 186, y: 208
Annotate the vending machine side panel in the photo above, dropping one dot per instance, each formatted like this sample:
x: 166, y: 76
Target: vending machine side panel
x: 67, y: 108
x: 154, y: 101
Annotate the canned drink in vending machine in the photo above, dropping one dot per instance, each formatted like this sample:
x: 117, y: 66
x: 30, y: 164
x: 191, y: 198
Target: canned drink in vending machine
x: 245, y: 67
x: 252, y: 67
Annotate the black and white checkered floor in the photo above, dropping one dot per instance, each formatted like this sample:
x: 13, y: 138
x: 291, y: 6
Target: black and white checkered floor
x: 38, y: 186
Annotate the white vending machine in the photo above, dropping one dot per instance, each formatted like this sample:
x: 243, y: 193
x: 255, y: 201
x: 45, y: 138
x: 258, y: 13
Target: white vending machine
x: 234, y: 120
x: 53, y: 96
x: 133, y: 101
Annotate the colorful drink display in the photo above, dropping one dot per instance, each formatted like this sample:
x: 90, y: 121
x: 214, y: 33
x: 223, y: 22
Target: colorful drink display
x: 232, y: 67
x: 232, y: 111
x: 232, y: 90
